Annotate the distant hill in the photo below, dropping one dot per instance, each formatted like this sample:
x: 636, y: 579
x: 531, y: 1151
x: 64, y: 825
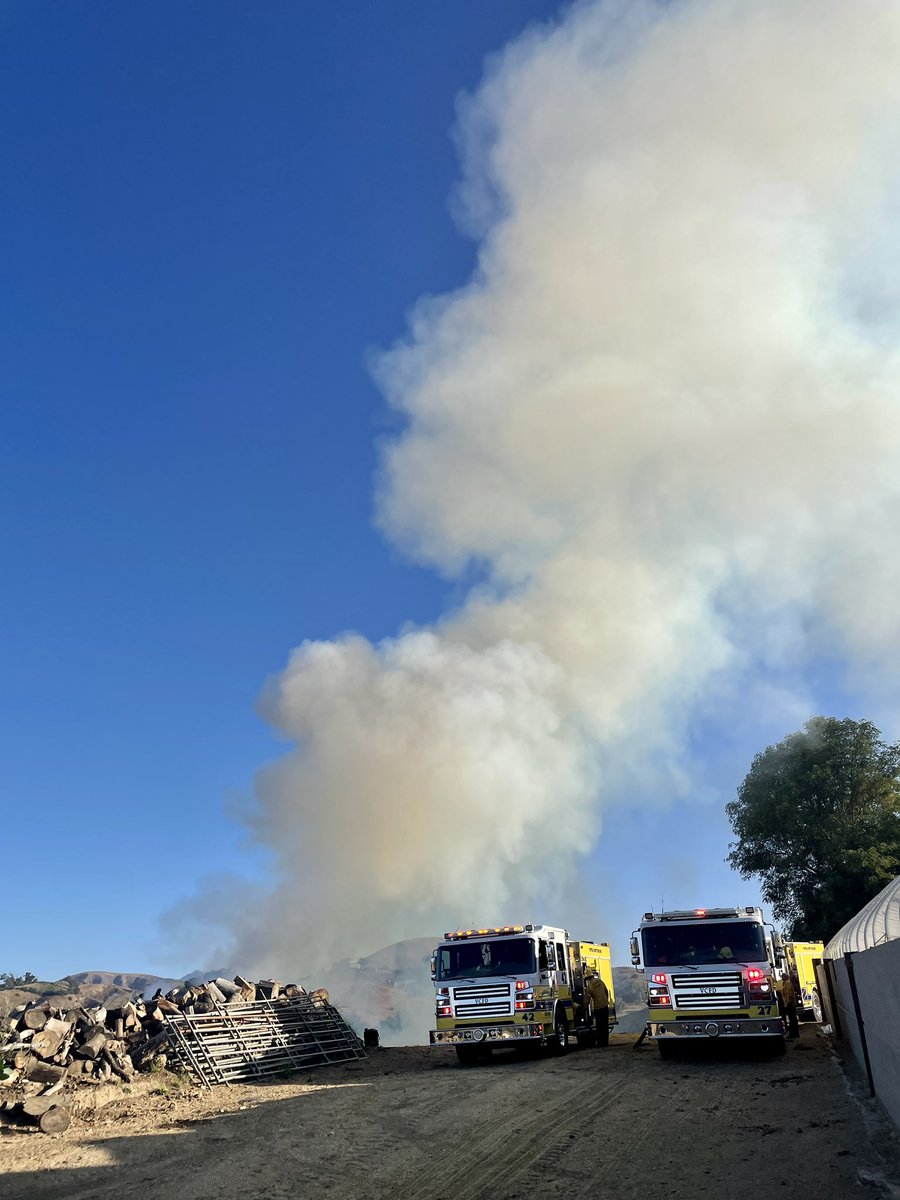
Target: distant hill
x: 122, y: 981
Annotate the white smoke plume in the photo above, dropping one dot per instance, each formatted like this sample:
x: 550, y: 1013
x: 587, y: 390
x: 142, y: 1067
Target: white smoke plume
x: 659, y: 426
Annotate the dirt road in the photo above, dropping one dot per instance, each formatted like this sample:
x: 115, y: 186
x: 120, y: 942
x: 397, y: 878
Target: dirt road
x: 615, y: 1123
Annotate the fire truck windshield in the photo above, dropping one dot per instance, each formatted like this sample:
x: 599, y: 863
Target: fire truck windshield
x: 468, y: 959
x: 704, y: 943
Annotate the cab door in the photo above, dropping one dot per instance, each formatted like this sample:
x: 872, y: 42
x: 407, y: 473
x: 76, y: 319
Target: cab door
x: 564, y: 979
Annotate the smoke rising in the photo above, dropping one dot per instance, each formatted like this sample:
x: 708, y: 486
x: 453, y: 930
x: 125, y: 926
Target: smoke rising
x: 659, y: 426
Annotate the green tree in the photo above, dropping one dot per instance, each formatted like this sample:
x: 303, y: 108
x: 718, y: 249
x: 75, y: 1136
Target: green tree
x: 818, y: 820
x: 8, y: 980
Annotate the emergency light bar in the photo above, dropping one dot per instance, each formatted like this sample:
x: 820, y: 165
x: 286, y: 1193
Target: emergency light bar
x: 692, y: 914
x: 465, y: 933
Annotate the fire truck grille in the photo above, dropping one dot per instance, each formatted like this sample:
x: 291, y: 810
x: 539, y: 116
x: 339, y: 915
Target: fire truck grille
x: 704, y: 992
x: 488, y: 1000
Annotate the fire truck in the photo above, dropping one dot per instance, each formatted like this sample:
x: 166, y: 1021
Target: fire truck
x: 713, y: 973
x: 800, y: 960
x: 522, y: 986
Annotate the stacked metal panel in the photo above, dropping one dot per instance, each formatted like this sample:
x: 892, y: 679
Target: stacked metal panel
x: 240, y: 1042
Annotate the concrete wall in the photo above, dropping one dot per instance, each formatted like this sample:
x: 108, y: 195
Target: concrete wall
x: 877, y: 973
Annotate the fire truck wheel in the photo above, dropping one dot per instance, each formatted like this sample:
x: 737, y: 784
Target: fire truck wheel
x: 603, y: 1027
x: 667, y: 1049
x: 776, y: 1046
x: 818, y: 1014
x: 559, y: 1043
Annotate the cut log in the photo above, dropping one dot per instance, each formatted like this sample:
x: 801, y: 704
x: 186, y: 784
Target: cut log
x: 95, y: 1014
x: 248, y: 992
x: 64, y: 1052
x: 55, y: 1120
x: 92, y: 1047
x: 269, y: 989
x: 56, y: 1025
x: 215, y: 994
x: 114, y: 1066
x: 36, y: 1106
x: 45, y: 1043
x: 13, y: 1047
x: 34, y: 1018
x: 42, y: 1072
x: 141, y: 1053
x: 227, y: 987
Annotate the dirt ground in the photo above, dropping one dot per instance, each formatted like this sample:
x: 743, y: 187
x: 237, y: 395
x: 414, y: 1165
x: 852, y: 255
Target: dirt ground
x: 616, y: 1123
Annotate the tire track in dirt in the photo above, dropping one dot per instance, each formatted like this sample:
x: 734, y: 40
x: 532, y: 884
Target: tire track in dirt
x: 498, y: 1156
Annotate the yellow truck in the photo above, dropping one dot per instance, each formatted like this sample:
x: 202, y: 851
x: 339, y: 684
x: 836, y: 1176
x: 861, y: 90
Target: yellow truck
x: 800, y: 961
x: 520, y: 985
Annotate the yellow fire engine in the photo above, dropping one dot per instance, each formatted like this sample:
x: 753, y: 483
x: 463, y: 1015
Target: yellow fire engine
x: 801, y: 959
x: 520, y: 985
x: 714, y: 973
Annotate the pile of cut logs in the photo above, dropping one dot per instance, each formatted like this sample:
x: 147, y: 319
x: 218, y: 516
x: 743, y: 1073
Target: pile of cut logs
x: 46, y: 1048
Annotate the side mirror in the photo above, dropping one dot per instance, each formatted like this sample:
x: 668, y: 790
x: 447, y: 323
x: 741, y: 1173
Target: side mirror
x: 434, y: 965
x: 635, y: 952
x: 778, y: 947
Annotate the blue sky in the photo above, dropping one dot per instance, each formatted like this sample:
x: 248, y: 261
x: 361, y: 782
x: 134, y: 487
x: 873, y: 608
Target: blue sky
x: 212, y: 214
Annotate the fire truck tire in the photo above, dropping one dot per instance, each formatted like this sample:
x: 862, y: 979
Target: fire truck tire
x: 818, y: 1014
x: 468, y: 1055
x: 777, y: 1046
x: 559, y: 1043
x: 667, y: 1049
x: 603, y: 1027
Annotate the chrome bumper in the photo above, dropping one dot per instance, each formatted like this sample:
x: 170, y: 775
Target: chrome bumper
x: 720, y: 1027
x: 479, y: 1034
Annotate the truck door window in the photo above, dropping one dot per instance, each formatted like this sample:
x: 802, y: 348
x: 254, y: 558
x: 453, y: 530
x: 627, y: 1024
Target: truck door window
x: 561, y: 959
x: 545, y: 956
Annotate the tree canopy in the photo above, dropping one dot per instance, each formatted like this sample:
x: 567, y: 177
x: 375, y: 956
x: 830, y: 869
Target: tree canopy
x: 8, y: 980
x: 818, y: 820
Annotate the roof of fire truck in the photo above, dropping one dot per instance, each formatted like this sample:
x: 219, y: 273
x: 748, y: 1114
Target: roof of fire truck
x: 704, y: 914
